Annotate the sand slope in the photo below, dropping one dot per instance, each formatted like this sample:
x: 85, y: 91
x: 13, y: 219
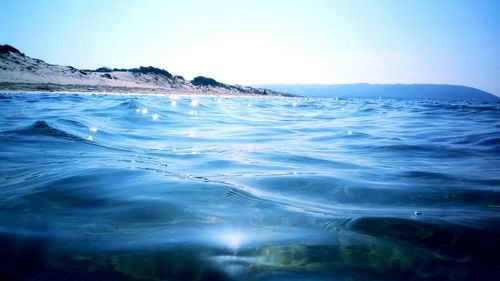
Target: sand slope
x: 19, y: 72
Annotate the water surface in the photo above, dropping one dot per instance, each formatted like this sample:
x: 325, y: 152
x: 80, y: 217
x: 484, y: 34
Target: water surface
x: 123, y: 187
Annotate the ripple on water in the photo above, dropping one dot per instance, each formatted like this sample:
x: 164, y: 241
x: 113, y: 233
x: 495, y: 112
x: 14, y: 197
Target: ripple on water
x: 211, y: 188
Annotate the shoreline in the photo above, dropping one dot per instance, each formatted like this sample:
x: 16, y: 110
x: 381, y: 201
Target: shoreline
x: 177, y: 94
x: 48, y: 88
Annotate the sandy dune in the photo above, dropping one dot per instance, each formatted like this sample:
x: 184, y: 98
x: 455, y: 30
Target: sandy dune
x: 19, y: 72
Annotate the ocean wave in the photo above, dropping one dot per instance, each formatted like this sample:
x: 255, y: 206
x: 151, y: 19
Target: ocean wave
x: 43, y: 129
x: 260, y: 188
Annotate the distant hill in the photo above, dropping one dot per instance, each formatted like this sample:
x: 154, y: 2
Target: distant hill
x: 397, y: 91
x: 20, y: 72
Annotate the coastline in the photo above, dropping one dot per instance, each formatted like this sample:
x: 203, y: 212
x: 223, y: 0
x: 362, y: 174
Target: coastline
x: 21, y: 73
x: 38, y: 88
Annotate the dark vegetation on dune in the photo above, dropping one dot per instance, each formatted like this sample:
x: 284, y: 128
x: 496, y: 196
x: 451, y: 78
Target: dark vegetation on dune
x: 140, y: 70
x: 102, y: 69
x: 151, y: 70
x: 205, y: 81
x: 5, y: 49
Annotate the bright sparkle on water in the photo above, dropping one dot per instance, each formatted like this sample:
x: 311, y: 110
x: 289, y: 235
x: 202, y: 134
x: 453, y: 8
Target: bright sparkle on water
x: 194, y: 102
x: 230, y: 238
x: 233, y: 240
x: 193, y: 133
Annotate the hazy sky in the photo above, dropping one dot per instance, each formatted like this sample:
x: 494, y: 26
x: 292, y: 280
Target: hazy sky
x: 249, y: 42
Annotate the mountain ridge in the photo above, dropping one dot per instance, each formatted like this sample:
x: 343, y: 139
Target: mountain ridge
x: 398, y: 91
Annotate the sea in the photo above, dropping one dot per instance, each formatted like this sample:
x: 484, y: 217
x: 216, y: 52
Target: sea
x: 144, y: 187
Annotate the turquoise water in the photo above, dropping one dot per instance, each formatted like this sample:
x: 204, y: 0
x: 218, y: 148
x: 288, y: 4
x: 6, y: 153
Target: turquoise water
x: 120, y: 187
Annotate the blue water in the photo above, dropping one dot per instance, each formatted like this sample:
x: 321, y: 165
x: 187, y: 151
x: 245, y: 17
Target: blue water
x: 121, y: 187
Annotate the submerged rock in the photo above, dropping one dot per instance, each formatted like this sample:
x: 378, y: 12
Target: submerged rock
x: 411, y: 231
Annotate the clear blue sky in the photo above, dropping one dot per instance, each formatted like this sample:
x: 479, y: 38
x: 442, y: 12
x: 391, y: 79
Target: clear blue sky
x: 249, y: 42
